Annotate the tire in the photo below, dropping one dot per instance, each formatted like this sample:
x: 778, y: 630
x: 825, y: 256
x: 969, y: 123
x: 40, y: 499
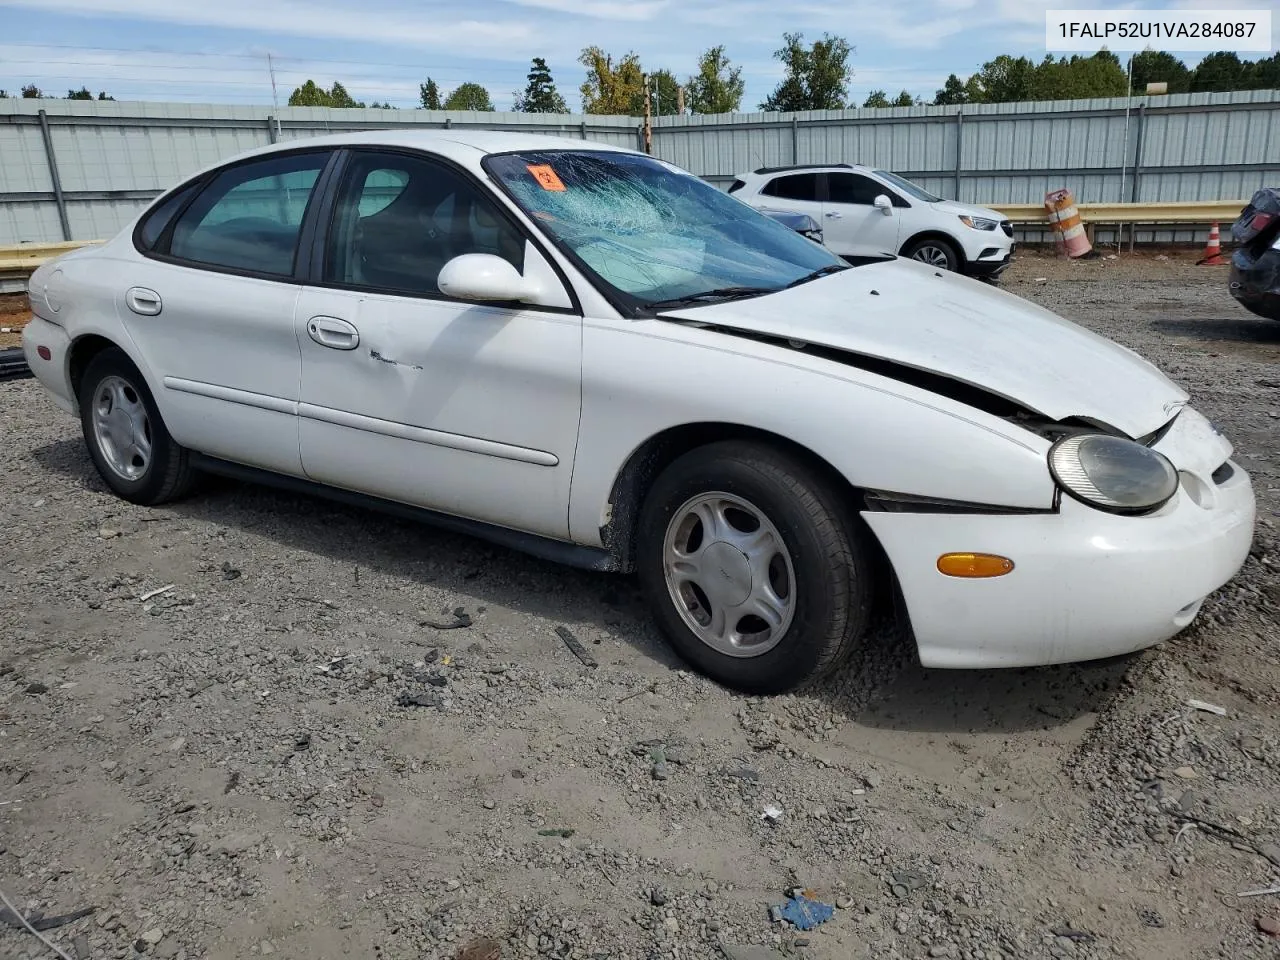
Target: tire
x: 115, y: 408
x: 823, y: 564
x: 933, y: 251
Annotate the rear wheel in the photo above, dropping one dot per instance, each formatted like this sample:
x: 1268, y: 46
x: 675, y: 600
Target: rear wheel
x: 934, y: 251
x: 753, y: 567
x: 126, y: 437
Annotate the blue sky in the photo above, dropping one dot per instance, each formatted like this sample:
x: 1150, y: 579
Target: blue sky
x: 215, y: 51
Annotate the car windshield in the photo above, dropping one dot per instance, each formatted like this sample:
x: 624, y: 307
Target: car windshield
x: 655, y: 235
x: 906, y: 186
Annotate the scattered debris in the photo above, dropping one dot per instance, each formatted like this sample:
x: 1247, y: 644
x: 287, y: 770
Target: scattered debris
x: 481, y: 948
x: 1269, y: 891
x: 771, y: 813
x: 742, y: 773
x: 1150, y: 918
x: 40, y: 922
x: 460, y: 619
x: 1269, y: 926
x: 36, y: 689
x: 1186, y: 773
x: 152, y: 594
x: 233, y: 781
x: 1078, y: 936
x: 575, y: 647
x: 562, y: 832
x: 13, y: 912
x: 1041, y: 280
x: 334, y: 666
x: 1195, y: 704
x: 749, y: 952
x: 802, y: 912
x: 229, y: 572
x: 427, y: 698
x: 657, y: 897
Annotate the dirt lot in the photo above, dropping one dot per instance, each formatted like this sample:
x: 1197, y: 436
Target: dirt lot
x: 281, y: 756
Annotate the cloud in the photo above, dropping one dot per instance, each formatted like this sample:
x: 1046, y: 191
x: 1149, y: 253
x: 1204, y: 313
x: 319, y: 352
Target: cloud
x: 601, y: 9
x: 399, y: 25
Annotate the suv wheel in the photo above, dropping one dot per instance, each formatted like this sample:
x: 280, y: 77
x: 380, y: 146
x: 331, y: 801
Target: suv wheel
x: 935, y: 252
x: 753, y: 567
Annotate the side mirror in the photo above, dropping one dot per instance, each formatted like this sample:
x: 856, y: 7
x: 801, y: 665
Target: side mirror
x: 483, y: 276
x: 883, y: 204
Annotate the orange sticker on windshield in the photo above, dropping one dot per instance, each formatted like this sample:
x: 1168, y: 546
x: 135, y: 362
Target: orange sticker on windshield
x: 546, y: 177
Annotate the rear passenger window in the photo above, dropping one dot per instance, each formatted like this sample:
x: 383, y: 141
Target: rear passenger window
x: 795, y: 186
x: 249, y: 217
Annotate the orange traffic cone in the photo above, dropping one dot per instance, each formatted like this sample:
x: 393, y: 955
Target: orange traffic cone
x: 1213, y: 249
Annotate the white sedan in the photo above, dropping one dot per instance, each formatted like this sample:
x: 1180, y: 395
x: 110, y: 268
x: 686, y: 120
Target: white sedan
x: 594, y: 356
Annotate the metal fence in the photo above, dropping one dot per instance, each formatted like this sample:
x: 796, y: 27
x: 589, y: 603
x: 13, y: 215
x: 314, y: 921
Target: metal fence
x: 81, y: 170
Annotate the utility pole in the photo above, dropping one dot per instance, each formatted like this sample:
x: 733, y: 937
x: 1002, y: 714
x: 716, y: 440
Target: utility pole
x: 275, y: 96
x: 648, y: 118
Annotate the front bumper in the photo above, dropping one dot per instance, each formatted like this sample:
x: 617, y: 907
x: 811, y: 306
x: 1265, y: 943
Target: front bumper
x: 991, y: 266
x: 1085, y: 585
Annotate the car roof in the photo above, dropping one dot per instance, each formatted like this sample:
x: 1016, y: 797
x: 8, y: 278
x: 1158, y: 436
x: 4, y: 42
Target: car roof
x: 802, y: 168
x: 464, y: 146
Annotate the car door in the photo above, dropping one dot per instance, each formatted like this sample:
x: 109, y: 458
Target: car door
x: 210, y: 307
x: 793, y: 192
x: 467, y: 408
x: 852, y: 225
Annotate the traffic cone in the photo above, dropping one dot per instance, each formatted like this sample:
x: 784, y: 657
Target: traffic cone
x: 1213, y: 250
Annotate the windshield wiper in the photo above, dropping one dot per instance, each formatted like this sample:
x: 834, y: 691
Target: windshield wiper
x: 820, y: 272
x: 718, y: 295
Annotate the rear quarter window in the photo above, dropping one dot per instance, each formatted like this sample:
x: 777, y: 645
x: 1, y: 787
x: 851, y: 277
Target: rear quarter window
x: 737, y: 185
x: 160, y: 216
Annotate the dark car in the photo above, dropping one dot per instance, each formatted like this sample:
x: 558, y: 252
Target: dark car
x: 1255, y: 264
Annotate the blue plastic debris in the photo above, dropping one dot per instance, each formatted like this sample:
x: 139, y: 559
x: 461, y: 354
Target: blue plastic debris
x: 803, y: 913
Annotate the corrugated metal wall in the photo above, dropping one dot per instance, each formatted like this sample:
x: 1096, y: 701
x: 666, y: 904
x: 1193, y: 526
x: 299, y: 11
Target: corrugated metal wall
x: 113, y: 157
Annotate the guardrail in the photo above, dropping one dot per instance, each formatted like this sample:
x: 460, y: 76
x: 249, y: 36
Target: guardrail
x: 18, y: 262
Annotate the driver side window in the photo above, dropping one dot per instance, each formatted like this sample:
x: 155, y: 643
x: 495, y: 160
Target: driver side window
x: 399, y: 219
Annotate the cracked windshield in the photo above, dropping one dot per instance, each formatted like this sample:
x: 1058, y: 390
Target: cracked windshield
x: 657, y: 236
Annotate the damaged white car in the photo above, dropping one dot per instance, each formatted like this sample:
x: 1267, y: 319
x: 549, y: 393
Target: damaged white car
x: 591, y: 355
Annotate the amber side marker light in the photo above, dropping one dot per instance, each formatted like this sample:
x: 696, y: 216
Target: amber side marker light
x: 974, y: 565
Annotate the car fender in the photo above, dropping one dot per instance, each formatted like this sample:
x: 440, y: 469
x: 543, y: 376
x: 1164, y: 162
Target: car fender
x: 642, y: 378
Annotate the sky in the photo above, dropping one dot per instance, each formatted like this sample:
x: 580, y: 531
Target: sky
x: 216, y: 51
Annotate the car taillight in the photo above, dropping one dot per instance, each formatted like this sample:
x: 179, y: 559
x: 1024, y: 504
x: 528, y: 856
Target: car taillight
x: 44, y: 353
x: 1260, y: 220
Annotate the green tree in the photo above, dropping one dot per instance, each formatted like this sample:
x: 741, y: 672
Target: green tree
x: 469, y: 96
x: 429, y: 94
x: 385, y: 105
x: 32, y: 92
x: 817, y: 77
x: 102, y: 95
x: 4, y: 94
x: 718, y: 85
x: 540, y: 94
x: 1264, y: 74
x: 904, y: 99
x: 312, y: 95
x: 81, y: 94
x: 1156, y: 66
x: 1005, y: 79
x: 952, y: 92
x: 664, y: 91
x: 1218, y: 72
x: 876, y: 98
x: 610, y: 88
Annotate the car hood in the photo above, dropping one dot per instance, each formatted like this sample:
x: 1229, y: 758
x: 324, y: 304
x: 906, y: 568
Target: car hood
x: 968, y: 210
x: 913, y: 315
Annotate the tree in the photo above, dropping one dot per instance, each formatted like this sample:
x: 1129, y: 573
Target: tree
x: 717, y: 87
x: 952, y: 92
x: 1156, y: 66
x: 612, y: 89
x: 904, y: 99
x: 1264, y: 74
x: 540, y: 94
x: 311, y: 95
x: 1005, y: 79
x: 102, y: 95
x: 430, y: 95
x: 4, y: 94
x: 876, y: 98
x: 32, y: 92
x: 664, y: 90
x: 1218, y: 72
x: 469, y: 96
x: 1077, y: 78
x: 81, y: 94
x: 385, y: 105
x: 817, y: 77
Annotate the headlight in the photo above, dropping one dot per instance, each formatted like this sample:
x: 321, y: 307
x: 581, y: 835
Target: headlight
x: 979, y: 223
x: 1112, y: 473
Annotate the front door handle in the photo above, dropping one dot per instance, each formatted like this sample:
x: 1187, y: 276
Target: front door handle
x: 143, y: 301
x: 333, y: 333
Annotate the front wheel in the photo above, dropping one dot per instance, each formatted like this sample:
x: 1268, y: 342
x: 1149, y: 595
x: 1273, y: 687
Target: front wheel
x: 126, y: 437
x: 935, y: 252
x: 753, y: 567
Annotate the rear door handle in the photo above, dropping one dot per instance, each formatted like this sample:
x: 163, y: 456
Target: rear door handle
x: 143, y: 301
x: 834, y: 215
x: 333, y: 333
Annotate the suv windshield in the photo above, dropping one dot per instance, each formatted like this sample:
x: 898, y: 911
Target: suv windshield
x: 906, y: 186
x: 654, y: 235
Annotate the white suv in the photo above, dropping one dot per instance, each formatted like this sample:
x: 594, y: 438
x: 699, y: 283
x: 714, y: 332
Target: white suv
x: 867, y: 213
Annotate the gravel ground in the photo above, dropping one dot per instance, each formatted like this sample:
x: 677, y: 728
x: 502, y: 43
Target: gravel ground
x: 338, y: 735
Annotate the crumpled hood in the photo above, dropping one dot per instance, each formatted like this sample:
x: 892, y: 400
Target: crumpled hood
x: 912, y: 314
